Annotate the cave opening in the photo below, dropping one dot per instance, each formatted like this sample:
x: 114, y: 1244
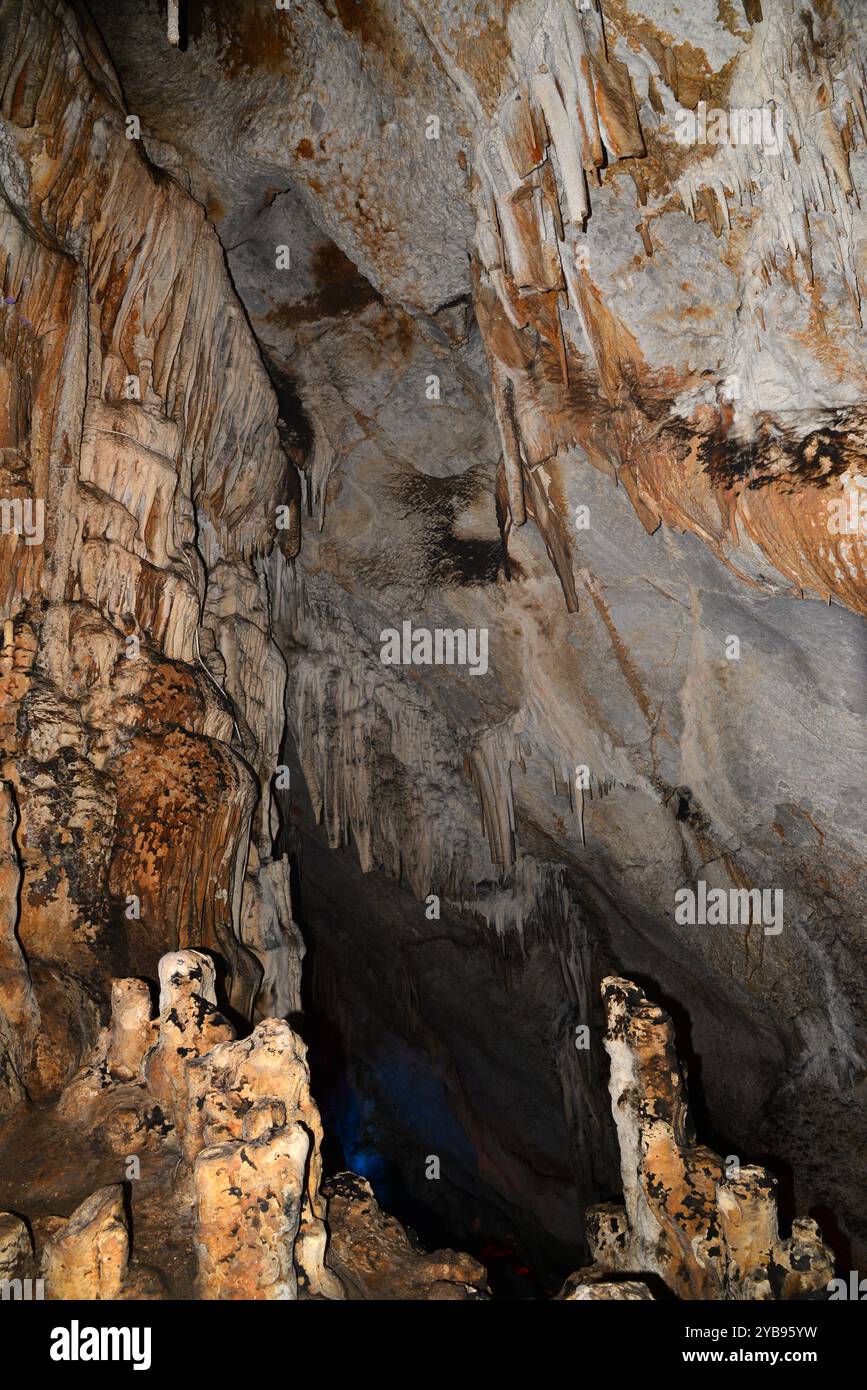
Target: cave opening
x: 386, y: 1070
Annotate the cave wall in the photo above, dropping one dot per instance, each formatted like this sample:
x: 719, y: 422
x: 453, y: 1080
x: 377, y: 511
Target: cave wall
x: 143, y: 692
x: 668, y: 336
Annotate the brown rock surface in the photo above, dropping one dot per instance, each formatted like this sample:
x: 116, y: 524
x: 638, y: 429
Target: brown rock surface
x: 603, y: 1291
x: 133, y: 777
x: 376, y: 1259
x: 249, y: 1195
x: 88, y: 1257
x: 16, y: 1247
x: 707, y: 1233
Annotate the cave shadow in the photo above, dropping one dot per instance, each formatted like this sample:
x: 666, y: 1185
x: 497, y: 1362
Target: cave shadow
x: 352, y: 1141
x: 834, y: 1236
x: 223, y: 973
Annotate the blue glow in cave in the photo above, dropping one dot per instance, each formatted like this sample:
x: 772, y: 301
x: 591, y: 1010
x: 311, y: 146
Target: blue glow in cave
x: 355, y: 1138
x: 418, y: 1098
x: 419, y: 1103
x: 351, y: 1122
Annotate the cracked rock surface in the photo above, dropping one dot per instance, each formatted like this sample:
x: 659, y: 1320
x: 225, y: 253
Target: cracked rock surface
x: 336, y: 318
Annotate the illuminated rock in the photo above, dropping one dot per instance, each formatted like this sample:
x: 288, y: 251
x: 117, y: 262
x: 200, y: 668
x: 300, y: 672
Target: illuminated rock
x: 708, y: 1235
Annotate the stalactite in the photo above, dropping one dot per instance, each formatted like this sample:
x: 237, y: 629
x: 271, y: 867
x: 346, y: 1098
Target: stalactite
x: 167, y: 472
x: 173, y: 21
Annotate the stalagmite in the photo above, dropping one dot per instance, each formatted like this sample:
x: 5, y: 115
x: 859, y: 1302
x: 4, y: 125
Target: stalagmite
x: 707, y: 1233
x: 16, y: 1247
x: 88, y: 1257
x: 132, y: 1033
x: 189, y: 1025
x: 248, y: 1206
x: 376, y: 1260
x: 173, y: 20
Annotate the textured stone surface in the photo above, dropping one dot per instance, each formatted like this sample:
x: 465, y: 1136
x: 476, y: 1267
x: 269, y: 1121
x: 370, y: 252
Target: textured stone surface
x: 232, y: 1135
x: 248, y: 1205
x: 713, y: 411
x: 709, y: 1232
x: 223, y: 1088
x: 603, y: 1291
x: 88, y: 1257
x: 376, y: 1259
x: 670, y: 336
x: 138, y: 415
x: 189, y: 1025
x: 132, y: 1033
x: 16, y: 1247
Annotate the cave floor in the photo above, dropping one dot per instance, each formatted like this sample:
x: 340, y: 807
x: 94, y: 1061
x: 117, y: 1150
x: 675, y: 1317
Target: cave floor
x: 48, y: 1166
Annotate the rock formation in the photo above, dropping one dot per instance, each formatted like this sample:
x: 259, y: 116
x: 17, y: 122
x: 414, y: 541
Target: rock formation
x: 88, y: 1256
x: 708, y: 1232
x: 376, y: 1259
x: 432, y: 473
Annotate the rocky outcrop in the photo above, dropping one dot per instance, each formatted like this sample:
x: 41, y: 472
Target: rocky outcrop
x: 706, y: 1226
x: 235, y: 1137
x: 142, y: 711
x: 88, y: 1257
x: 248, y: 1204
x: 604, y: 1291
x: 19, y: 1012
x: 575, y: 363
x: 659, y: 334
x: 16, y: 1247
x: 236, y: 1120
x: 377, y: 1260
x: 266, y: 1074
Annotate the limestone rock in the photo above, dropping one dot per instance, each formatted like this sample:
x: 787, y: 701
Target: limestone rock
x: 19, y: 1012
x: 116, y: 720
x: 269, y: 931
x: 132, y: 1032
x: 223, y: 1087
x: 706, y: 1233
x: 189, y: 1025
x: 16, y: 1247
x: 343, y: 316
x: 376, y: 1259
x: 249, y: 1194
x: 602, y: 1291
x: 88, y: 1257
